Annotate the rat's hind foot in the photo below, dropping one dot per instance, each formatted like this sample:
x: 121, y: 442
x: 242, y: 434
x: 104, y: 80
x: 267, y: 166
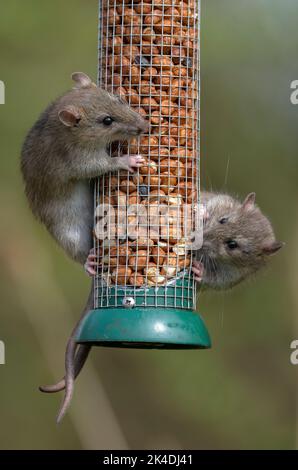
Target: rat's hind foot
x: 91, y: 263
x: 131, y: 162
x: 198, y: 270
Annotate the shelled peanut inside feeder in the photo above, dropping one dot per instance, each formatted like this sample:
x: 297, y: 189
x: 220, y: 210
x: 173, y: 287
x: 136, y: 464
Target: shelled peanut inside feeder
x: 149, y: 56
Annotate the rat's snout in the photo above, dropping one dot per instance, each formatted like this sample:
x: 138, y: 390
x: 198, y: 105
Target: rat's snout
x: 138, y: 128
x: 206, y: 235
x: 208, y: 240
x: 141, y: 126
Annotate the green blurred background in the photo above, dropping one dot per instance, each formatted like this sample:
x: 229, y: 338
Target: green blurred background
x: 242, y: 393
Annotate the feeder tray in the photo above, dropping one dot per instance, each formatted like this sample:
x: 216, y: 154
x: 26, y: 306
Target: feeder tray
x: 135, y: 326
x: 144, y: 291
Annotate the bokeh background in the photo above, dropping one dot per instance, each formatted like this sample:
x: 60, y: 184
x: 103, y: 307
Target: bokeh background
x: 241, y: 394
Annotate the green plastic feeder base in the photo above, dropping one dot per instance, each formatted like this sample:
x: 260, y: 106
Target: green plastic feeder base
x: 144, y: 328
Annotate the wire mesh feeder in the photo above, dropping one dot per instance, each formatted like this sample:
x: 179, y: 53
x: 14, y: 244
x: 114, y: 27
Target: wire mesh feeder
x: 144, y: 293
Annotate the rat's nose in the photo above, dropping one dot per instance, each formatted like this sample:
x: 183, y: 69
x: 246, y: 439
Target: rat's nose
x: 138, y: 127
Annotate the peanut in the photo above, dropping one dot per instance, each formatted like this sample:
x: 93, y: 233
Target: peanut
x: 146, y: 89
x: 134, y: 198
x: 118, y: 255
x: 163, y: 62
x: 156, y: 118
x: 148, y: 168
x: 121, y: 274
x: 127, y: 186
x: 138, y: 260
x: 158, y: 255
x: 154, y: 17
x: 136, y: 279
x: 132, y: 96
x: 150, y: 103
x: 143, y: 9
x: 164, y: 27
x: 150, y: 72
x: 141, y: 243
x: 170, y: 265
x: 149, y: 48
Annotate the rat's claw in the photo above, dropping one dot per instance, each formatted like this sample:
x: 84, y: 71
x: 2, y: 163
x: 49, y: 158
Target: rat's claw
x: 131, y: 162
x: 136, y: 161
x: 198, y: 270
x: 91, y: 263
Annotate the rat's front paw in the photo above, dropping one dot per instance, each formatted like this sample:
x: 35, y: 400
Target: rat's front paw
x: 198, y: 270
x: 91, y: 263
x: 130, y: 162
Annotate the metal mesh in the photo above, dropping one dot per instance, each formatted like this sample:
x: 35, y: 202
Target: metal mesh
x: 149, y: 54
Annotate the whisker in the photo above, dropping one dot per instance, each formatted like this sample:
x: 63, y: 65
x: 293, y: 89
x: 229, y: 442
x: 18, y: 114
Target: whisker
x: 227, y: 172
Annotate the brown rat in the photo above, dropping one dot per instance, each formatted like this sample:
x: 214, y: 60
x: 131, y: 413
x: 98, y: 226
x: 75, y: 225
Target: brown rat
x: 238, y: 240
x: 65, y: 148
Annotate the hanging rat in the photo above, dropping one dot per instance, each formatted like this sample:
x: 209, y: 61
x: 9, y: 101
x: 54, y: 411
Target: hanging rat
x: 238, y: 240
x: 64, y: 150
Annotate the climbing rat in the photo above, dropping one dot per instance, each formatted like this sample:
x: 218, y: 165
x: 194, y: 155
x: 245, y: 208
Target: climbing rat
x: 66, y: 148
x: 238, y: 240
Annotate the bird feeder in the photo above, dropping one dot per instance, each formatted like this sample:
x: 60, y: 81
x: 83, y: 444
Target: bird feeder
x: 144, y: 292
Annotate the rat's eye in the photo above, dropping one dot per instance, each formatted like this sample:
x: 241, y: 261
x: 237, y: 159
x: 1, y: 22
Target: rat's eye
x: 232, y: 244
x: 223, y: 220
x: 108, y: 121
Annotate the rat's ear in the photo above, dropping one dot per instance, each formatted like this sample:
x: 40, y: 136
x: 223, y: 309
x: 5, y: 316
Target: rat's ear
x: 82, y: 80
x: 273, y: 248
x: 69, y: 116
x: 249, y: 201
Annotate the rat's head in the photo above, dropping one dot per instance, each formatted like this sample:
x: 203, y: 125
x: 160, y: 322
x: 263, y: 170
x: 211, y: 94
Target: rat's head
x: 95, y: 117
x: 238, y: 234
